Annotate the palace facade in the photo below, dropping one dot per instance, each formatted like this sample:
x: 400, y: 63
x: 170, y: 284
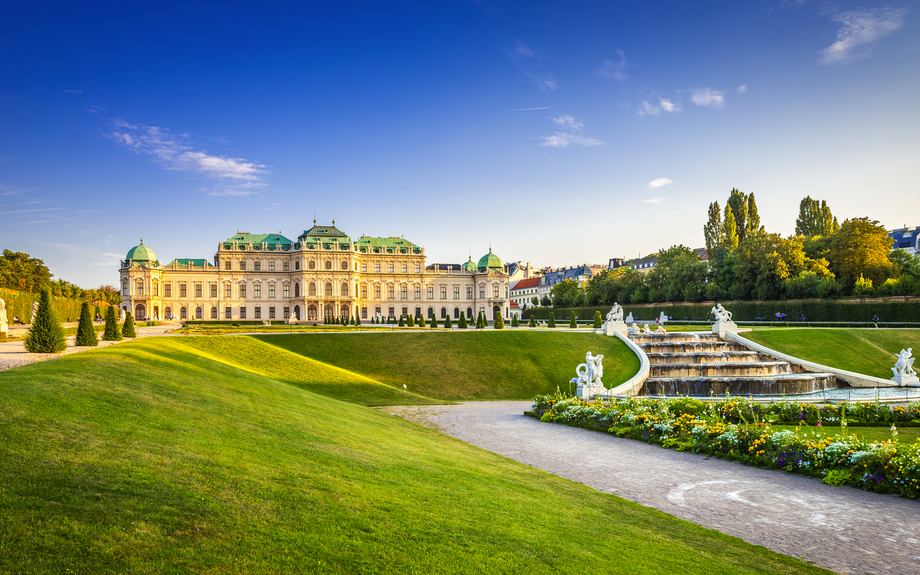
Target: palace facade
x: 323, y: 273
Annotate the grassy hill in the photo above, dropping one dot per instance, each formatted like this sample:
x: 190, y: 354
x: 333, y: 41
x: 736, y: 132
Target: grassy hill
x: 475, y: 365
x: 867, y: 351
x: 162, y: 456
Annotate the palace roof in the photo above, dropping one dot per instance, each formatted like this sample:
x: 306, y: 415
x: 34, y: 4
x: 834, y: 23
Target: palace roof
x: 387, y: 245
x: 324, y: 233
x: 273, y: 241
x: 190, y: 262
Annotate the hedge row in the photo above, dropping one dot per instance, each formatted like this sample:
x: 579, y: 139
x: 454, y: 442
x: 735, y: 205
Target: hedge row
x: 852, y: 310
x: 20, y: 303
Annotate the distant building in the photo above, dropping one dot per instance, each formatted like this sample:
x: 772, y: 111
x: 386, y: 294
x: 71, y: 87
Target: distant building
x: 580, y: 274
x: 646, y: 264
x: 518, y: 271
x: 906, y: 239
x: 523, y: 291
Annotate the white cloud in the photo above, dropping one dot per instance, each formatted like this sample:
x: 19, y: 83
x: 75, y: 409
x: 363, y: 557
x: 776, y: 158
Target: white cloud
x: 521, y: 49
x: 659, y: 182
x: 564, y: 140
x: 861, y: 27
x: 611, y: 69
x: 655, y: 200
x: 177, y: 152
x: 647, y: 109
x: 742, y: 88
x: 568, y: 122
x: 668, y: 105
x: 546, y: 82
x: 708, y: 97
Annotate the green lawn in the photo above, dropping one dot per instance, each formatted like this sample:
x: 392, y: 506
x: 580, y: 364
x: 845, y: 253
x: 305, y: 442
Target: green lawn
x: 866, y: 351
x: 158, y: 456
x: 466, y: 365
x: 905, y: 434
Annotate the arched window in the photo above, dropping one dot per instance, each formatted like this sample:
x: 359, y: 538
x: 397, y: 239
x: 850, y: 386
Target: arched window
x: 167, y: 313
x: 312, y: 265
x: 344, y: 311
x: 327, y: 311
x: 297, y: 265
x: 469, y: 312
x: 312, y: 289
x: 328, y: 289
x: 296, y: 289
x: 328, y: 265
x: 456, y: 313
x: 213, y: 313
x: 344, y: 265
x: 311, y: 312
x: 124, y: 287
x: 405, y: 310
x: 183, y: 313
x: 139, y: 286
x: 443, y: 312
x: 198, y: 313
x: 431, y: 312
x: 344, y: 289
x: 156, y: 288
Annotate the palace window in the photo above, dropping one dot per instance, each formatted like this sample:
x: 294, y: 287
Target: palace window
x: 377, y: 310
x: 405, y: 268
x: 312, y: 289
x: 344, y: 289
x: 328, y: 289
x: 363, y: 313
x: 482, y: 291
x: 258, y: 313
x: 228, y: 312
x: 271, y: 291
x: 285, y: 291
x: 242, y: 266
x: 363, y: 267
x: 271, y: 265
x: 156, y: 288
x: 197, y: 291
x: 227, y: 265
x: 214, y: 312
x: 328, y: 265
x: 257, y: 291
x: 228, y: 293
x: 418, y: 292
x: 242, y: 312
x: 418, y: 268
x: 139, y: 285
x: 183, y: 313
x: 167, y: 290
x: 377, y: 268
x: 344, y: 265
x: 405, y: 310
x: 456, y: 313
x: 456, y: 292
x: 469, y: 292
x: 390, y: 267
x: 430, y: 313
x: 257, y: 266
x: 285, y: 266
x: 364, y: 292
x: 430, y: 292
x: 271, y: 312
x: 296, y: 290
x: 443, y: 292
x: 311, y: 265
x: 214, y: 291
x: 124, y: 287
x: 297, y: 265
x: 183, y: 289
x: 287, y: 312
x: 404, y: 292
x: 376, y: 292
x: 495, y: 290
x: 443, y: 312
x: 392, y: 311
x: 390, y: 291
x: 242, y: 291
x: 198, y: 314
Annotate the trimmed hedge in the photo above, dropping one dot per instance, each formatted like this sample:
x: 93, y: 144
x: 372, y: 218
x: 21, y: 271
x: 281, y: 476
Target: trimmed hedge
x: 896, y: 309
x: 20, y: 303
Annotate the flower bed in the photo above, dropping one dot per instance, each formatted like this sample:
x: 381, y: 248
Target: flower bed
x: 740, y: 430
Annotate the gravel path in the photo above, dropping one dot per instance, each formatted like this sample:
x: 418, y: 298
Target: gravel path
x: 840, y: 528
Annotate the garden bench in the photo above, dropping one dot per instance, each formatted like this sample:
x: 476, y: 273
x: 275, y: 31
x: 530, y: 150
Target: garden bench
x: 760, y: 319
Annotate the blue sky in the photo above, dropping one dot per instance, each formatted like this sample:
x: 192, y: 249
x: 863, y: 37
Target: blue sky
x: 558, y: 132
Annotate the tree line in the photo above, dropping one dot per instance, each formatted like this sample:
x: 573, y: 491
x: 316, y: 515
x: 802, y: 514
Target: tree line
x: 822, y: 259
x: 21, y: 272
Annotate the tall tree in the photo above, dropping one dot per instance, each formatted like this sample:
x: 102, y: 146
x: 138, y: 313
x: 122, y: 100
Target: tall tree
x: 713, y: 228
x: 20, y: 271
x: 737, y: 203
x: 815, y: 219
x: 86, y: 335
x: 111, y: 333
x: 730, y: 237
x: 752, y: 224
x: 861, y: 247
x: 45, y: 335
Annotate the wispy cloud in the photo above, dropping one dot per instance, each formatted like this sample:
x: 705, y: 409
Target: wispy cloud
x: 564, y: 140
x: 530, y: 109
x: 742, y: 88
x: 655, y: 200
x: 708, y: 97
x: 861, y: 27
x: 522, y: 49
x: 647, y: 108
x: 659, y: 182
x: 668, y: 105
x: 73, y: 91
x: 178, y: 152
x: 543, y: 81
x: 614, y: 70
x: 568, y: 122
x: 111, y: 260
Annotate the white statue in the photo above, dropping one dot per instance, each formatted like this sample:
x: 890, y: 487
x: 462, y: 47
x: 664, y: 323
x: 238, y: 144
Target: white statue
x: 616, y: 313
x: 721, y: 314
x: 590, y: 372
x: 121, y: 314
x: 904, y: 367
x: 633, y: 329
x: 645, y: 329
x: 34, y: 312
x: 660, y: 329
x: 662, y: 318
x: 2, y: 311
x: 629, y: 319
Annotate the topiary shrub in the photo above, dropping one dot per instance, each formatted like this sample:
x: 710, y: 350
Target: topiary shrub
x: 128, y: 330
x: 447, y: 322
x: 86, y: 335
x: 111, y: 333
x: 462, y: 324
x: 421, y: 321
x: 499, y: 321
x: 45, y: 334
x: 573, y: 321
x: 402, y: 321
x: 514, y: 321
x: 533, y: 321
x: 598, y: 320
x: 434, y: 322
x: 552, y: 320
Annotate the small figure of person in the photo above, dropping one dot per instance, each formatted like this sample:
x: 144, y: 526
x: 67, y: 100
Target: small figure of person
x: 17, y: 320
x: 875, y: 320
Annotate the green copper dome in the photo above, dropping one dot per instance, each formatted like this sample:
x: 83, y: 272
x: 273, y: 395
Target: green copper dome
x: 141, y: 253
x: 470, y: 265
x: 490, y: 261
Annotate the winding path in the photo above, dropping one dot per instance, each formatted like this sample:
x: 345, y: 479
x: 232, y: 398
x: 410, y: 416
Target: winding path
x: 840, y: 528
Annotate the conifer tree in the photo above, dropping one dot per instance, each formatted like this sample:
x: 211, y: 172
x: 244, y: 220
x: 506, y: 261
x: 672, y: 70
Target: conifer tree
x: 357, y: 321
x: 533, y: 321
x: 447, y: 323
x: 45, y: 334
x: 411, y: 321
x: 111, y: 333
x: 573, y: 321
x: 421, y: 321
x: 434, y: 322
x: 128, y: 330
x: 499, y: 321
x: 402, y: 322
x: 514, y: 321
x: 462, y: 324
x: 598, y: 320
x: 552, y: 320
x: 86, y: 335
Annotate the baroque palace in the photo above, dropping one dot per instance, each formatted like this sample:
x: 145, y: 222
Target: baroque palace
x: 324, y: 273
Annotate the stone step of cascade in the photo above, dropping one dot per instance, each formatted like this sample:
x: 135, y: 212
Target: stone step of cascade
x: 721, y: 369
x: 789, y: 384
x: 641, y: 338
x: 689, y: 346
x: 705, y: 356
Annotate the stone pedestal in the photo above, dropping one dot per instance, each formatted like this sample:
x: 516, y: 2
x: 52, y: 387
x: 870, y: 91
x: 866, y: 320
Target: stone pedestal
x: 906, y: 380
x: 612, y: 327
x: 589, y: 391
x: 723, y: 327
x: 4, y: 329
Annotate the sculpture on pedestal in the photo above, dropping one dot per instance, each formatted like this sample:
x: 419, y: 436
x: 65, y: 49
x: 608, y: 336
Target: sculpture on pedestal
x: 721, y: 314
x: 629, y: 319
x: 905, y: 364
x: 589, y: 376
x: 662, y: 318
x: 616, y: 313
